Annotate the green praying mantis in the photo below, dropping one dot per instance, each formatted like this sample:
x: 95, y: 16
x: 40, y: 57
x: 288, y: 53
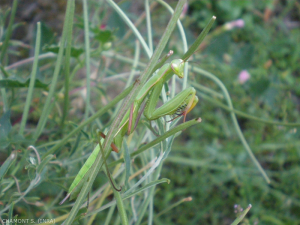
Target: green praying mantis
x: 180, y: 105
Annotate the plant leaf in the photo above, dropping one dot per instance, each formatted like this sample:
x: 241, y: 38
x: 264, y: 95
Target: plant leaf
x: 16, y: 82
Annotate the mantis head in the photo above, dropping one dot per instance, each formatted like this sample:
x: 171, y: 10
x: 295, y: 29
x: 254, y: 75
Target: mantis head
x: 177, y: 66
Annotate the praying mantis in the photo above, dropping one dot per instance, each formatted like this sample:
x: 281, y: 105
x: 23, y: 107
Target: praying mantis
x: 180, y: 105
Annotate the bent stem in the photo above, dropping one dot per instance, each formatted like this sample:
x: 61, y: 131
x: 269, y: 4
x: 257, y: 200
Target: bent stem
x: 234, y: 119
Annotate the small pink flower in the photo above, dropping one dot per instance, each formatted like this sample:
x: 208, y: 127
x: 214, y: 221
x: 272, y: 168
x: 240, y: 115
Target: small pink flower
x: 102, y: 27
x: 244, y: 76
x: 240, y: 23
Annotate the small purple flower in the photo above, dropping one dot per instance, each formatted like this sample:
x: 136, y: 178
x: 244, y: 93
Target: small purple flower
x: 240, y: 23
x: 244, y: 76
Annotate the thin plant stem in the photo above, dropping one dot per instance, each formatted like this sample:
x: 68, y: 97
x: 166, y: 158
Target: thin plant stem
x: 135, y: 63
x: 184, y: 43
x: 87, y: 59
x: 148, y: 22
x: 46, y: 110
x: 245, y: 115
x: 151, y: 144
x: 4, y: 48
x: 131, y: 26
x: 9, y: 31
x: 234, y: 119
x: 199, y: 39
x: 88, y: 121
x: 102, y: 198
x: 67, y: 64
x: 188, y: 199
x: 32, y: 79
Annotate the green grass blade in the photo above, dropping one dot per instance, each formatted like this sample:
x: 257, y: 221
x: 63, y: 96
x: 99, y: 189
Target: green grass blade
x: 67, y: 63
x: 199, y: 39
x: 241, y: 217
x: 149, y: 30
x: 131, y: 26
x: 185, y: 48
x: 46, y: 110
x: 9, y: 31
x: 147, y: 186
x: 127, y: 164
x: 88, y: 121
x: 8, y: 162
x: 87, y: 58
x: 234, y: 119
x: 32, y: 79
x: 245, y: 115
x: 161, y: 138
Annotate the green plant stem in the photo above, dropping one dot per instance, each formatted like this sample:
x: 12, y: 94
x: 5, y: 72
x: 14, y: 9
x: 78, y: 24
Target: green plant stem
x: 199, y: 39
x: 241, y: 217
x: 173, y: 206
x: 8, y: 31
x: 131, y: 26
x: 67, y: 64
x: 135, y: 63
x: 150, y: 194
x: 149, y: 30
x: 185, y: 47
x: 245, y: 115
x: 4, y: 48
x: 234, y: 119
x: 32, y: 79
x: 109, y: 215
x: 169, y: 133
x: 87, y: 58
x: 46, y: 110
x: 88, y: 121
x: 121, y: 208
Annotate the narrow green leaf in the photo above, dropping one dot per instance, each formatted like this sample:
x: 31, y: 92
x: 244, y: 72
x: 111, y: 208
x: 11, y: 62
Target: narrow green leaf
x: 75, y: 191
x: 45, y: 161
x: 32, y: 79
x: 5, y: 128
x: 9, y: 31
x: 75, y: 51
x: 17, y: 82
x: 8, y: 162
x: 10, y: 212
x: 127, y: 164
x: 241, y: 217
x: 124, y: 197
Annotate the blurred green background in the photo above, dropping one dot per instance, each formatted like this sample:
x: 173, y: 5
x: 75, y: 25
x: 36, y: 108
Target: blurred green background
x: 208, y: 161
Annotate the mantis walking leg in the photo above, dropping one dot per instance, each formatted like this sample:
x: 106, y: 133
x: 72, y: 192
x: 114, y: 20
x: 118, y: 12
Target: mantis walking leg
x: 106, y: 167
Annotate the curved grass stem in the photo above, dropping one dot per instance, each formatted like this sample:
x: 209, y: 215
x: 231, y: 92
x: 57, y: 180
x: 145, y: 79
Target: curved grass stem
x: 234, y: 119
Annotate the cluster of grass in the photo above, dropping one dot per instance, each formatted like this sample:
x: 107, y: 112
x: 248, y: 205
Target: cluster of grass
x: 53, y: 103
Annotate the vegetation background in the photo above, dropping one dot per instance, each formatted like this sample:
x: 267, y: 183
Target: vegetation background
x: 257, y: 60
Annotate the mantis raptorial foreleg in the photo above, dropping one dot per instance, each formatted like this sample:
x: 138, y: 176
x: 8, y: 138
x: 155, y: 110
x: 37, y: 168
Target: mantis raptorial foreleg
x: 180, y: 105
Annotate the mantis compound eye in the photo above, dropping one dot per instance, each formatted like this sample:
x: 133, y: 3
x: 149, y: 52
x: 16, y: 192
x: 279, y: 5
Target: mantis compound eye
x: 177, y: 66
